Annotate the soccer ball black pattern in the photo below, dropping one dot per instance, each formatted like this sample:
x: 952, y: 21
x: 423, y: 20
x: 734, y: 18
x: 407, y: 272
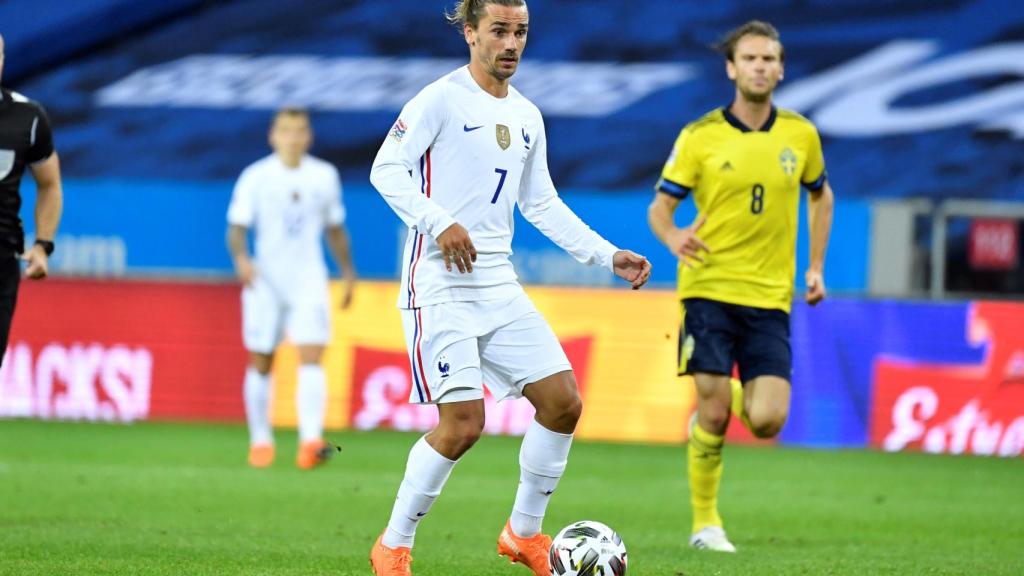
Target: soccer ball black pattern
x: 587, y: 548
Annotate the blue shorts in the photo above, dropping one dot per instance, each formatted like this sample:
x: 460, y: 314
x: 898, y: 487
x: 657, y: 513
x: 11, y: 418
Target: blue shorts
x: 716, y: 335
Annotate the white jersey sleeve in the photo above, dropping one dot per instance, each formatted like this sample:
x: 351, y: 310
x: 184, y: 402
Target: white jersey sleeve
x: 242, y: 209
x: 412, y: 134
x: 335, y: 207
x: 541, y: 206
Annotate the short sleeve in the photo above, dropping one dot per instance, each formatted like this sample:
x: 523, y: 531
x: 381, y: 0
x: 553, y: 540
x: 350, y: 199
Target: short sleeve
x: 814, y: 175
x: 40, y: 137
x: 682, y: 169
x: 335, y: 207
x: 242, y: 210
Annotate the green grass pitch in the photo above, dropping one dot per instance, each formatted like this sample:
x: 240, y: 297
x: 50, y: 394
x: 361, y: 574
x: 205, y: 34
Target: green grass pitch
x: 174, y: 499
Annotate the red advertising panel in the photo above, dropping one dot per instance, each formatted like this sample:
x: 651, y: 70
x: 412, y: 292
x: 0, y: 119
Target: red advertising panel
x: 124, y: 351
x: 975, y: 409
x: 994, y: 244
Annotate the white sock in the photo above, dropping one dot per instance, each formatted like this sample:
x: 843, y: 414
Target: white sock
x: 257, y: 406
x: 310, y: 398
x: 425, y: 475
x: 542, y: 460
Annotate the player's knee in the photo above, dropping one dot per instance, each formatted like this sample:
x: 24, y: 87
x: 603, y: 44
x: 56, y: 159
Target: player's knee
x: 714, y: 418
x: 767, y: 422
x: 570, y: 410
x: 462, y: 433
x: 562, y: 412
x: 262, y: 363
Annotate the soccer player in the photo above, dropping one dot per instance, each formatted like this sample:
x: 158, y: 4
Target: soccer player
x: 463, y: 153
x: 291, y: 199
x: 744, y: 165
x: 25, y: 142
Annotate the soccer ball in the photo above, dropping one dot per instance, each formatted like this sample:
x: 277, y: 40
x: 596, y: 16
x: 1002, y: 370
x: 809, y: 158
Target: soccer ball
x: 587, y: 548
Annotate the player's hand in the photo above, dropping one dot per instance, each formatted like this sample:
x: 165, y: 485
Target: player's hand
x: 38, y: 263
x: 348, y: 291
x: 631, y: 267
x: 246, y: 271
x: 686, y: 245
x: 457, y: 248
x: 815, y: 286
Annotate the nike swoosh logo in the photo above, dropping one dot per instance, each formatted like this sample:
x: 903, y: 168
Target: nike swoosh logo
x: 466, y: 127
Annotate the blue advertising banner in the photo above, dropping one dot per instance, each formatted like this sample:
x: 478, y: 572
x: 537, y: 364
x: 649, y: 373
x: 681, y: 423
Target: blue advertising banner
x: 837, y: 348
x: 912, y: 99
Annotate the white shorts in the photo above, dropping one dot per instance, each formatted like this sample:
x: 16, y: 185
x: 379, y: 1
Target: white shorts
x: 267, y: 314
x: 456, y: 348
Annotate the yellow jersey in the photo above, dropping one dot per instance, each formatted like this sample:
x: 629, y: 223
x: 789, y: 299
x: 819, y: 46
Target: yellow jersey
x: 747, y: 184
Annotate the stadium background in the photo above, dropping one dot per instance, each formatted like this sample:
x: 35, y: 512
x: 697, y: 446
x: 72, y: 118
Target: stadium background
x: 157, y: 106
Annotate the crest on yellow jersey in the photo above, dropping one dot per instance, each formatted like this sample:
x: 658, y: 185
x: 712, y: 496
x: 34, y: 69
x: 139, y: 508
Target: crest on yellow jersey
x: 788, y: 161
x: 503, y: 135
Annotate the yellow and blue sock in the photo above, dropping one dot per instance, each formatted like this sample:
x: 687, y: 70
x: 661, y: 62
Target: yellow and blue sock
x: 704, y: 455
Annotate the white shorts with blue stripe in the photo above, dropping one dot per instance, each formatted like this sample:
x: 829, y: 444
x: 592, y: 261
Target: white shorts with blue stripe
x: 457, y: 348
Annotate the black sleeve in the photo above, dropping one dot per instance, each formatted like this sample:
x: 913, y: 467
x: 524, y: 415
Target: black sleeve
x: 41, y: 138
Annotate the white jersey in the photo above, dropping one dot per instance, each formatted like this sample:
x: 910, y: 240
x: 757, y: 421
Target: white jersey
x: 458, y: 154
x: 289, y: 208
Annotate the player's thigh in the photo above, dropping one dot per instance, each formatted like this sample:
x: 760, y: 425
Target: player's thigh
x: 521, y: 350
x: 309, y: 317
x: 763, y: 348
x: 766, y: 400
x: 444, y: 356
x: 262, y: 317
x: 707, y: 337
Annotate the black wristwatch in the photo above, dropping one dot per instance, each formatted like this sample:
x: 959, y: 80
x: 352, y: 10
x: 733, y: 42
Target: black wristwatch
x: 47, y: 245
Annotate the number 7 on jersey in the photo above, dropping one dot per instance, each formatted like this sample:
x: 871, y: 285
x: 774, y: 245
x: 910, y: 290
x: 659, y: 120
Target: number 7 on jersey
x: 501, y: 182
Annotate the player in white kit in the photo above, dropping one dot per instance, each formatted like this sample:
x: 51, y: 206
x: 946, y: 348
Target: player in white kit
x: 463, y: 153
x: 291, y: 199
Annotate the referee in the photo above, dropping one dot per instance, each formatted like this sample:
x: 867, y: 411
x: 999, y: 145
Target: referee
x: 25, y: 142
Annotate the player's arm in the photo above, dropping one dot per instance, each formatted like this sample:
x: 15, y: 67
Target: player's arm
x: 681, y: 171
x: 412, y: 134
x: 241, y: 215
x: 684, y: 243
x: 238, y: 247
x: 49, y: 205
x: 338, y: 241
x: 819, y: 220
x: 45, y: 167
x: 819, y: 217
x: 541, y: 206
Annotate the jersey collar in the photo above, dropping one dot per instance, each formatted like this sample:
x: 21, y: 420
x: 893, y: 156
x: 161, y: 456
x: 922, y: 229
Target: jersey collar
x: 739, y: 125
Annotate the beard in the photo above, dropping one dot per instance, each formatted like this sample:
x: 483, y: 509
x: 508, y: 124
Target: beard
x: 756, y: 97
x: 502, y: 73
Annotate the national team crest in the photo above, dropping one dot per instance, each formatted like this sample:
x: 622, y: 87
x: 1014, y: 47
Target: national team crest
x: 503, y: 135
x: 788, y: 161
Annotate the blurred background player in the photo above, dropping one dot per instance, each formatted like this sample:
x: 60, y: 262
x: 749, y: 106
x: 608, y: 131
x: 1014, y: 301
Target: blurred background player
x: 463, y: 153
x: 291, y: 199
x: 744, y: 165
x: 25, y: 142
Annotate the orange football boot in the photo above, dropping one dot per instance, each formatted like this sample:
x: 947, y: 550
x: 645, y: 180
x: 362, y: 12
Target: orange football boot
x: 313, y: 453
x: 390, y: 561
x: 261, y: 455
x: 531, y: 552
